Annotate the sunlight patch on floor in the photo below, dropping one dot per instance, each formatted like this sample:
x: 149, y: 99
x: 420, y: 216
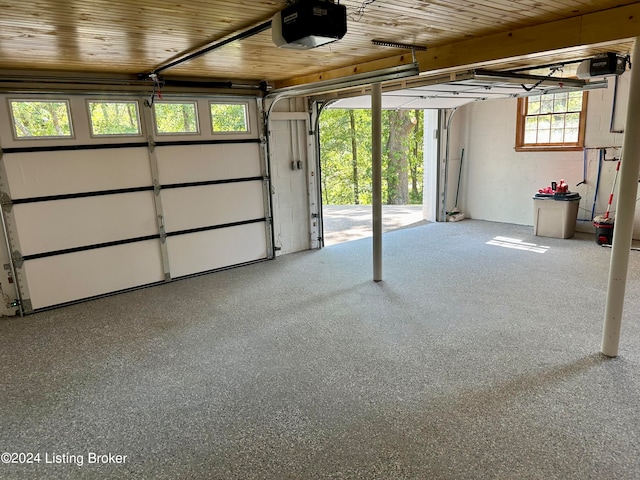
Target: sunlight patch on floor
x: 343, y: 223
x: 507, y: 242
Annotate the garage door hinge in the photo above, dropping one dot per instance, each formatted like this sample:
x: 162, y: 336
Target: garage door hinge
x: 161, y: 230
x: 156, y: 188
x: 16, y: 258
x: 27, y: 307
x: 152, y: 144
x: 6, y: 202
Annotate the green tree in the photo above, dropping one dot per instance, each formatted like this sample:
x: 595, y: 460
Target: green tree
x: 416, y: 159
x: 335, y: 148
x: 345, y: 145
x: 114, y: 118
x: 175, y: 117
x: 228, y: 117
x: 345, y: 154
x: 401, y: 126
x: 41, y: 118
x: 354, y: 157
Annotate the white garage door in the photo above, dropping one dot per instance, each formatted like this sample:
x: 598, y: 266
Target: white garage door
x: 115, y: 195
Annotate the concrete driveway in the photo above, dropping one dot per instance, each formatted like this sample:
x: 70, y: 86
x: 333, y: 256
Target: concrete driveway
x: 343, y: 223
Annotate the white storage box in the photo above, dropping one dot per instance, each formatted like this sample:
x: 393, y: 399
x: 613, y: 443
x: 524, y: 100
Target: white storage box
x: 555, y: 215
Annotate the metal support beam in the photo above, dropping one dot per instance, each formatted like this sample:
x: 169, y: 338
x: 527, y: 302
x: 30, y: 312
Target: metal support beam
x: 376, y: 178
x: 625, y: 212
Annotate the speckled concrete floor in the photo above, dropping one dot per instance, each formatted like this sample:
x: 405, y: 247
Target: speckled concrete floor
x: 469, y: 361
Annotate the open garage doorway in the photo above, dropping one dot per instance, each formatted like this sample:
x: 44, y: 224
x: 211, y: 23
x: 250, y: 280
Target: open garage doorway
x: 343, y: 223
x: 345, y: 160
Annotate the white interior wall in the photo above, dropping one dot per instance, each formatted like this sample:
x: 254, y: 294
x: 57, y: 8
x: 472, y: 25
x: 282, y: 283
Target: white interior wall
x: 498, y: 183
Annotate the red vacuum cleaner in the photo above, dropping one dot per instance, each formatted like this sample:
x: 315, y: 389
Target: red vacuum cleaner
x: 603, y: 223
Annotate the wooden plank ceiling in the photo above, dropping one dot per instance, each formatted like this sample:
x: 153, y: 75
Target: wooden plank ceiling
x: 100, y: 37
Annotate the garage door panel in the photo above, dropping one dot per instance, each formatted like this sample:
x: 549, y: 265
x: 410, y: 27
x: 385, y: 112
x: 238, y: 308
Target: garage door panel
x: 38, y: 174
x: 65, y: 278
x: 196, y: 163
x: 62, y: 224
x: 216, y: 248
x: 86, y: 215
x: 210, y: 205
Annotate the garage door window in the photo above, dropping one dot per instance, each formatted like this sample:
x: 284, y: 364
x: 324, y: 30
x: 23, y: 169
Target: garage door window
x: 40, y: 119
x: 229, y: 117
x: 176, y: 117
x: 114, y: 118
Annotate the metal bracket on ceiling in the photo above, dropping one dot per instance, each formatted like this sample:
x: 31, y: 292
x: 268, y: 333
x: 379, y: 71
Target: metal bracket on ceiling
x: 404, y: 46
x: 554, y: 69
x: 27, y: 306
x: 157, y: 89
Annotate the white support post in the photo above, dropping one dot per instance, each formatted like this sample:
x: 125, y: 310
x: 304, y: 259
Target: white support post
x: 376, y: 178
x: 625, y: 212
